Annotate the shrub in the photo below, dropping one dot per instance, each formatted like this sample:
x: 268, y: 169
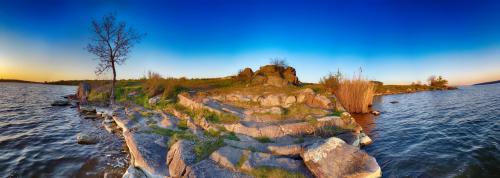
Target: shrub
x: 331, y: 82
x: 263, y: 139
x: 437, y: 81
x: 203, y: 149
x: 280, y: 62
x: 356, y: 94
x: 153, y: 85
x: 245, y: 75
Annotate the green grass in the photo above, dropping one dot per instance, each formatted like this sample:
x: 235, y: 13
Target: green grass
x: 203, y: 149
x: 182, y: 124
x: 329, y: 131
x: 263, y: 139
x: 213, y: 117
x: 231, y: 136
x: 212, y: 133
x: 336, y: 113
x: 272, y: 172
x: 173, y: 135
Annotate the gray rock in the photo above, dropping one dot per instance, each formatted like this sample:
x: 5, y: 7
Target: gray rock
x: 180, y: 157
x: 334, y: 158
x: 86, y: 138
x: 154, y: 100
x: 147, y: 153
x: 209, y: 169
x: 133, y: 172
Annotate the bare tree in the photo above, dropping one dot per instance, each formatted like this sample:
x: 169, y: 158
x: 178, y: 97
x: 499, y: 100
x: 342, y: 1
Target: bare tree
x: 277, y: 61
x: 111, y: 43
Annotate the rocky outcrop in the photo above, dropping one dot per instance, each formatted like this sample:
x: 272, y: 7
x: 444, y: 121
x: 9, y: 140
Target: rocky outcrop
x: 334, y: 158
x: 275, y: 75
x: 83, y: 92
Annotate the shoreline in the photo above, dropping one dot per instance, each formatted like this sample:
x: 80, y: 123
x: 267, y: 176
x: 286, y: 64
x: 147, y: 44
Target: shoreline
x: 145, y: 162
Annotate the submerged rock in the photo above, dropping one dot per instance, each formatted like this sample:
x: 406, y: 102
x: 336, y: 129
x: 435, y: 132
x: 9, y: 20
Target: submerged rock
x: 86, y: 138
x: 334, y: 158
x: 394, y: 102
x: 60, y: 103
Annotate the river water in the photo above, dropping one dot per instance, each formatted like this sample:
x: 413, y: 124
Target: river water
x: 437, y: 133
x: 38, y: 140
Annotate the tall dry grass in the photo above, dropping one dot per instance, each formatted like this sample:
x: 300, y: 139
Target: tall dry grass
x: 355, y: 94
x: 153, y: 85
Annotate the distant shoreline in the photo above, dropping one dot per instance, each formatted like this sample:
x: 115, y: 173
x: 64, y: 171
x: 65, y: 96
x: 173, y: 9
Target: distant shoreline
x: 488, y: 83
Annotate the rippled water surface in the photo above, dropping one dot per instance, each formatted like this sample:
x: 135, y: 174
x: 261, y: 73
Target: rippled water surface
x: 38, y: 140
x: 437, y: 133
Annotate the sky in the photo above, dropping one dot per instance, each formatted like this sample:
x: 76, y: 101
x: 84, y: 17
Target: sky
x: 393, y: 41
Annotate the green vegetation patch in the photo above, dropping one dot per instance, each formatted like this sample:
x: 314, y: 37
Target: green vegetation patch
x: 272, y: 172
x: 231, y: 136
x: 203, y: 149
x: 263, y: 139
x: 182, y: 124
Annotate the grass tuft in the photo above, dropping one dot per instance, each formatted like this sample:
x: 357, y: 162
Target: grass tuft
x: 263, y: 139
x: 272, y: 172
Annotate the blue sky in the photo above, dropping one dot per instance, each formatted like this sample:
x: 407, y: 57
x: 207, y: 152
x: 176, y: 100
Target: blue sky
x: 393, y: 41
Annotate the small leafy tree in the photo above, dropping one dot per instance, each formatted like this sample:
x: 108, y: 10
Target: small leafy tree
x: 111, y: 43
x: 437, y: 81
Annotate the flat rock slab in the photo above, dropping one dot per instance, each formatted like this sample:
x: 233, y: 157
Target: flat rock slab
x: 149, y: 152
x: 180, y: 157
x: 334, y: 158
x: 209, y: 169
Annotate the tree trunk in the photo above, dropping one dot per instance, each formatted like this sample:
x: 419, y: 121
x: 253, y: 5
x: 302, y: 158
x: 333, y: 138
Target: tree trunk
x: 112, y: 97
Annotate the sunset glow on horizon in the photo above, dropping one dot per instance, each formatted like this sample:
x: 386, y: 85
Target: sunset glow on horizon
x: 396, y: 42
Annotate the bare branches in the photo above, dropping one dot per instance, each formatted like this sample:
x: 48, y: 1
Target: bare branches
x: 111, y: 42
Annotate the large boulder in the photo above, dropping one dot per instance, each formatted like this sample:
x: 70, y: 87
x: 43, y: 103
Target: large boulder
x: 83, y: 92
x: 335, y: 158
x: 246, y: 74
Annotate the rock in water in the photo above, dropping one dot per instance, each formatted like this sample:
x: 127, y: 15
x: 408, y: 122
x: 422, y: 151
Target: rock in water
x: 334, y: 158
x: 394, y: 102
x: 86, y: 138
x: 60, y: 103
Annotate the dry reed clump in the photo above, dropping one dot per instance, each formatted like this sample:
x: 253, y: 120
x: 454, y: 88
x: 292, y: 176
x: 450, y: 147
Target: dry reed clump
x: 356, y: 94
x: 153, y: 85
